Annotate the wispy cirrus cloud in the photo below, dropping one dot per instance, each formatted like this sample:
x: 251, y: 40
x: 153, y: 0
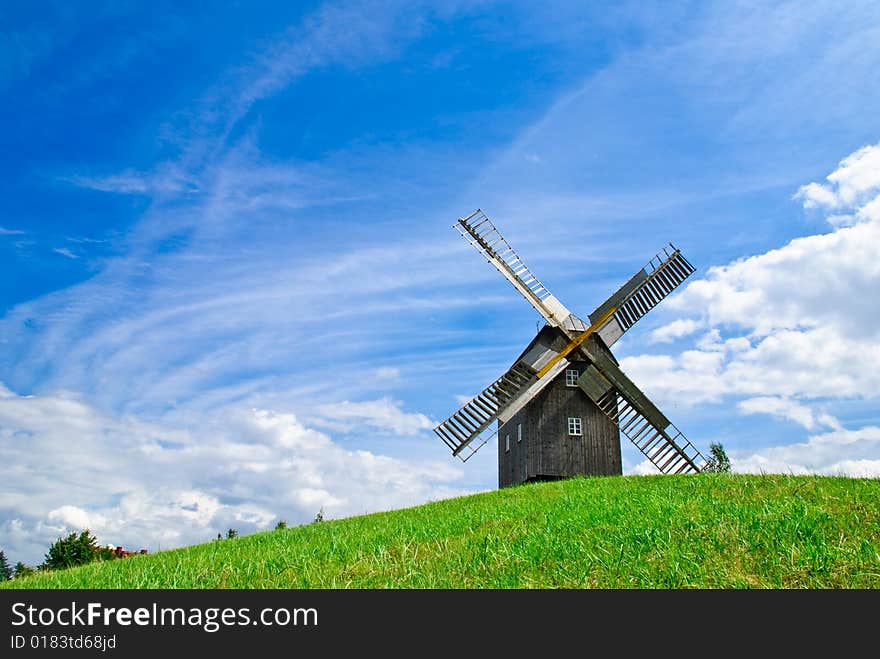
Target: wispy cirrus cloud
x: 382, y: 414
x: 133, y: 182
x: 261, y: 286
x: 63, y: 251
x: 217, y: 308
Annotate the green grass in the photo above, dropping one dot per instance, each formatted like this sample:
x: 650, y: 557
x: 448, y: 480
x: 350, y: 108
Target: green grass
x: 706, y: 531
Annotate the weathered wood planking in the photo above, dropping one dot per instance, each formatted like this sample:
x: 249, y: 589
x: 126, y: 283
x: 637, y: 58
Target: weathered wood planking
x: 546, y: 450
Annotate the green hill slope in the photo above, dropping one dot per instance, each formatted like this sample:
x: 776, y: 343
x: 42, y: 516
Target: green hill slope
x: 707, y: 531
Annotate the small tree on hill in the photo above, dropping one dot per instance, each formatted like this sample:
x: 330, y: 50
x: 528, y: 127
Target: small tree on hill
x: 231, y: 533
x: 281, y: 525
x: 5, y: 569
x: 72, y: 550
x: 719, y: 462
x: 22, y: 570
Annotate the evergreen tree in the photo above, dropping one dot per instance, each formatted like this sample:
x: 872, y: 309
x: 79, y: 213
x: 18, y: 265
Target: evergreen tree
x: 5, y: 569
x: 72, y: 550
x: 22, y: 570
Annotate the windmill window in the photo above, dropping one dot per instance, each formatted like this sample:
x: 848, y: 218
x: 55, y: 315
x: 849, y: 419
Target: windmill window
x: 507, y: 443
x: 574, y: 426
x: 519, y: 432
x: 571, y: 377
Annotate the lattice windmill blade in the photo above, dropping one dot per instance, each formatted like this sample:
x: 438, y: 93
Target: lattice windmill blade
x: 637, y: 417
x: 645, y: 290
x: 484, y: 236
x: 558, y: 432
x: 472, y: 426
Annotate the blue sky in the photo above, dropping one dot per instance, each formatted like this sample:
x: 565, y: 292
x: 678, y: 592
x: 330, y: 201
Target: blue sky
x: 230, y: 292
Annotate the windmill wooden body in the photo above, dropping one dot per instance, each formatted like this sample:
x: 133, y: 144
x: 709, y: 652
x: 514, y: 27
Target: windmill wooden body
x: 560, y: 410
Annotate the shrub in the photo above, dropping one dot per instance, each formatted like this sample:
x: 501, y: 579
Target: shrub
x: 73, y: 550
x: 719, y: 462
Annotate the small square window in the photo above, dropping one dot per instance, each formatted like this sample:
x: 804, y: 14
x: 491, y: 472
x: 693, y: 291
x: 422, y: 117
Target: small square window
x: 519, y: 432
x: 507, y: 443
x: 571, y: 377
x: 574, y: 426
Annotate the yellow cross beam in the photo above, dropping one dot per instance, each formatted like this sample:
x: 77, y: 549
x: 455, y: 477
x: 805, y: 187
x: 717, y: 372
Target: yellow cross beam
x: 576, y: 342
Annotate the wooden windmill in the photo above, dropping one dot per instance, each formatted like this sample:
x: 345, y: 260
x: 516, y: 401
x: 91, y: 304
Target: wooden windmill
x: 562, y: 406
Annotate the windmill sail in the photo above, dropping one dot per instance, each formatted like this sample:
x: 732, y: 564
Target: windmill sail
x: 603, y: 382
x: 468, y: 429
x: 478, y: 415
x: 484, y: 236
x: 638, y: 418
x: 644, y: 291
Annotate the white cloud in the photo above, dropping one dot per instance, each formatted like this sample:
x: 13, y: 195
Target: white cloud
x: 871, y: 210
x: 834, y: 453
x: 842, y: 436
x: 838, y: 452
x: 793, y: 322
x: 645, y: 468
x: 858, y: 174
x: 76, y: 518
x: 838, y: 220
x: 855, y: 469
x: 10, y: 232
x: 383, y: 414
x: 787, y: 409
x: 815, y: 195
x: 674, y: 330
x: 810, y: 282
x: 149, y: 485
x: 854, y: 186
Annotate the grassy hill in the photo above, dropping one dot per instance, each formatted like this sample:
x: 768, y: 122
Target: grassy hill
x: 706, y: 531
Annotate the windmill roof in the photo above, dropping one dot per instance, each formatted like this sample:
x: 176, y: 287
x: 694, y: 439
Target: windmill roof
x: 554, y: 338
